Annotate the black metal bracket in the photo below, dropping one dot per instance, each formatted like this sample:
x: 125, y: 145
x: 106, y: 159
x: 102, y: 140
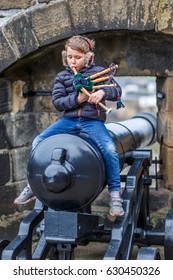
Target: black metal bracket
x: 32, y: 93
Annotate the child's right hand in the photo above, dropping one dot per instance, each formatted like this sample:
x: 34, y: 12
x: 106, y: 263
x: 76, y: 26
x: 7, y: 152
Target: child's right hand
x: 96, y: 96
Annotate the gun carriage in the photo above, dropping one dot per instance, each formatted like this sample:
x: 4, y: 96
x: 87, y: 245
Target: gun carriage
x: 67, y: 174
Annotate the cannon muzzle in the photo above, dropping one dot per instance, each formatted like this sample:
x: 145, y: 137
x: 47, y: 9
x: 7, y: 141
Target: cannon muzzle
x: 67, y: 172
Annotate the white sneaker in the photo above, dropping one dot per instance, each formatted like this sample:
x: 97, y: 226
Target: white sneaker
x: 115, y: 204
x: 25, y: 196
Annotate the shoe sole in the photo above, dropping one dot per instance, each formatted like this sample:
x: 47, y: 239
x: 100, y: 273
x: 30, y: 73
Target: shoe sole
x: 24, y: 202
x: 112, y: 218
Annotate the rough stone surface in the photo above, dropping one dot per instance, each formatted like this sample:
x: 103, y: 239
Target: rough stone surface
x: 7, y: 56
x: 85, y: 16
x: 20, y: 36
x: 5, y: 170
x: 55, y: 25
x: 7, y: 194
x: 165, y: 128
x: 165, y: 86
x: 2, y: 135
x: 20, y: 158
x: 164, y: 18
x: 166, y: 155
x: 10, y: 4
x: 20, y: 129
x: 129, y: 15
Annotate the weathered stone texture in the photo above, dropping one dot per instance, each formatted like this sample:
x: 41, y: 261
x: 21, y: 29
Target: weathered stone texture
x: 7, y: 55
x: 7, y: 194
x: 165, y: 128
x: 11, y: 4
x: 5, y: 97
x: 43, y: 121
x: 164, y: 17
x: 166, y: 155
x: 54, y: 25
x: 20, y: 129
x: 20, y: 36
x: 4, y: 167
x: 165, y: 86
x: 85, y: 15
x: 19, y: 101
x: 19, y: 163
x: 132, y: 15
x: 2, y: 135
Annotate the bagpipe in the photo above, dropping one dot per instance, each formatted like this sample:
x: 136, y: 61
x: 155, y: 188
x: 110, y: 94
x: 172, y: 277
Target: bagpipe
x: 94, y: 82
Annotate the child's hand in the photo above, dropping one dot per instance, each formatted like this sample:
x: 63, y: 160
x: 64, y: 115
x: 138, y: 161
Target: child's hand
x: 82, y: 97
x: 96, y: 96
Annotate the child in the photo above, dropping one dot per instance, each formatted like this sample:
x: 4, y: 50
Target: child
x: 82, y: 114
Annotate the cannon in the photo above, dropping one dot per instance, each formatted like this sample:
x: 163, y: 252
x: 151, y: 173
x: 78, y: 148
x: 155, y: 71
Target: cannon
x: 67, y: 174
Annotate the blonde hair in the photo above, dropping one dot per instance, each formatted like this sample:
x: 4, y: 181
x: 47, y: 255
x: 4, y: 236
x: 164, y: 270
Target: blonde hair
x: 81, y: 44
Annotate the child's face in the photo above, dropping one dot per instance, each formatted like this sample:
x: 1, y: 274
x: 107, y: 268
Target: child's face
x: 75, y: 59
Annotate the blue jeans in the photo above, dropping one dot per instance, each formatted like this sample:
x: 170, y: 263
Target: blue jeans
x: 100, y: 136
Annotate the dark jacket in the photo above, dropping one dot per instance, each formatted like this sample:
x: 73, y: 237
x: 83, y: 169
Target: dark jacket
x: 64, y: 96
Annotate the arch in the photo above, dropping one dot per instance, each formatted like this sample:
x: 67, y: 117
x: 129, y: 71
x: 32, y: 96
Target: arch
x: 46, y: 24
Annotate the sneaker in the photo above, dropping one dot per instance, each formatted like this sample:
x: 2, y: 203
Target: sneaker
x: 25, y: 196
x: 115, y: 204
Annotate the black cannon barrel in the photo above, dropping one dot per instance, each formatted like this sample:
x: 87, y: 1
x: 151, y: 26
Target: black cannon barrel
x: 129, y: 135
x: 67, y: 172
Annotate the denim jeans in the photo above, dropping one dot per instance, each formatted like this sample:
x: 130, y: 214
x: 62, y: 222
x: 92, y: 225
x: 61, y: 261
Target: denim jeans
x: 100, y: 136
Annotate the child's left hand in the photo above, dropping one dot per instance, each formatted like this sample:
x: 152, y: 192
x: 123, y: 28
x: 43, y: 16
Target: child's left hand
x: 96, y: 96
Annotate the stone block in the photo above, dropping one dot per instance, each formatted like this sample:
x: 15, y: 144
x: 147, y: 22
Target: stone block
x: 164, y: 17
x: 165, y: 87
x: 51, y: 22
x: 166, y: 155
x: 2, y: 135
x: 7, y: 56
x: 85, y: 15
x: 44, y: 103
x: 19, y: 101
x: 4, y: 167
x: 43, y: 121
x: 165, y: 128
x: 132, y: 15
x: 21, y: 129
x: 19, y: 163
x: 5, y: 97
x: 20, y: 35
